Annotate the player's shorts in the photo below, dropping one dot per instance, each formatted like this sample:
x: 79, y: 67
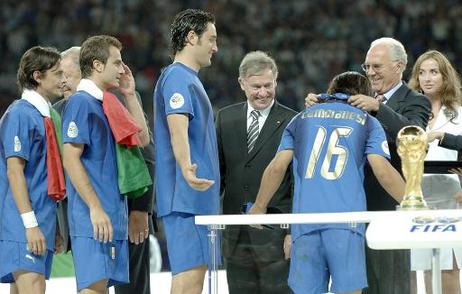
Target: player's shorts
x: 187, y: 243
x: 319, y: 255
x: 14, y: 257
x: 95, y: 261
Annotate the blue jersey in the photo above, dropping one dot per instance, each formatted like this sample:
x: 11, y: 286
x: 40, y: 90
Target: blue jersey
x: 22, y: 134
x: 179, y: 90
x: 84, y: 123
x: 330, y: 143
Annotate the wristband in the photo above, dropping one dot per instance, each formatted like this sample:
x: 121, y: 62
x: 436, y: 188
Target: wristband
x: 29, y: 220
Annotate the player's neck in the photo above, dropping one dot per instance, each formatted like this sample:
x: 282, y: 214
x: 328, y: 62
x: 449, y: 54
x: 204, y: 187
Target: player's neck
x: 187, y: 59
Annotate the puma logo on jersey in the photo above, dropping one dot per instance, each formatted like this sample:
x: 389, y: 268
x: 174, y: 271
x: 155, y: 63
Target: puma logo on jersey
x: 28, y: 256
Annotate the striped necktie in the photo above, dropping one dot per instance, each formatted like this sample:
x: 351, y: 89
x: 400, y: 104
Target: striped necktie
x: 253, y: 131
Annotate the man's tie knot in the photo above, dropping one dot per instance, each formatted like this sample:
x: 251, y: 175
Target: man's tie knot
x: 255, y: 114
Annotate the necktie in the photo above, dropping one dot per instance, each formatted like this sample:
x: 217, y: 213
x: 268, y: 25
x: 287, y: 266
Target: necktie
x: 55, y: 177
x: 253, y: 131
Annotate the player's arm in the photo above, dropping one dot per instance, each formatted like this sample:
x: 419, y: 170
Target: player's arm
x: 271, y: 180
x: 127, y: 87
x: 178, y: 127
x: 388, y: 177
x: 15, y: 173
x: 102, y: 227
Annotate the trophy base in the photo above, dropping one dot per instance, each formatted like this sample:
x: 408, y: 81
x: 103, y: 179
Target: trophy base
x: 413, y: 203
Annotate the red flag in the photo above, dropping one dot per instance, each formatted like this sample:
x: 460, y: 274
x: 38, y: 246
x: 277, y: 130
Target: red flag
x: 123, y: 126
x: 56, y: 183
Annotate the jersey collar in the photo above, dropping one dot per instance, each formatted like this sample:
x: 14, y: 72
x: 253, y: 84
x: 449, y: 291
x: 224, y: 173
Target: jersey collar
x: 91, y: 88
x: 40, y: 103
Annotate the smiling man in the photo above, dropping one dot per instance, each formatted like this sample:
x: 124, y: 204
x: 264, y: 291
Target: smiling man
x: 395, y: 106
x: 248, y: 136
x: 187, y: 177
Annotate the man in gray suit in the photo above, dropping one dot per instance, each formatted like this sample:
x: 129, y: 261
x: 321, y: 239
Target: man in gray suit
x: 248, y: 135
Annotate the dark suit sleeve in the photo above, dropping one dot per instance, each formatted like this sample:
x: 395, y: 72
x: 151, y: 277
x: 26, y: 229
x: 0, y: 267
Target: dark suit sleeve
x: 220, y: 153
x: 451, y: 141
x: 415, y: 111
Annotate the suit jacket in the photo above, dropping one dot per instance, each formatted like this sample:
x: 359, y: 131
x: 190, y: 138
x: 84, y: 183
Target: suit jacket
x: 451, y: 141
x: 241, y: 172
x: 405, y: 107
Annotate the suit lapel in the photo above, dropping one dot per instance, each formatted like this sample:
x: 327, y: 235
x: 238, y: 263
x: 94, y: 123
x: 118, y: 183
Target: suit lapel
x: 240, y: 129
x: 272, y: 123
x: 398, y: 97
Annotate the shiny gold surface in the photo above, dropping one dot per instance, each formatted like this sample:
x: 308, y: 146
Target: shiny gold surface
x: 412, y: 145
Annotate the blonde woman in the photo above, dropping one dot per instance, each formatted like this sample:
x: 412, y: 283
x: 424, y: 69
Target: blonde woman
x: 434, y: 76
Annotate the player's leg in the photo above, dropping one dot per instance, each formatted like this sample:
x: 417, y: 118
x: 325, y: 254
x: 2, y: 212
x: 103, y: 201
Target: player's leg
x: 188, y: 252
x: 29, y: 282
x: 13, y: 289
x: 189, y: 281
x: 100, y: 287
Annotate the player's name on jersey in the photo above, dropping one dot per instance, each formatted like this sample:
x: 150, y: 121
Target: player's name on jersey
x: 335, y: 114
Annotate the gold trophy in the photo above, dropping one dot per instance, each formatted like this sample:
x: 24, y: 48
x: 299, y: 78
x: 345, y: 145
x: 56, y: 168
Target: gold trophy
x: 412, y: 147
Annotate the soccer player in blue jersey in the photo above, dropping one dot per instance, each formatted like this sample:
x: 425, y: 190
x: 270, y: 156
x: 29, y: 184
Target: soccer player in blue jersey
x: 27, y: 213
x: 187, y: 166
x: 97, y: 212
x: 328, y: 145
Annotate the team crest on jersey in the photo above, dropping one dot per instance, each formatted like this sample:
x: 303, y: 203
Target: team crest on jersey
x: 176, y: 101
x: 72, y: 130
x: 17, y: 144
x: 385, y: 147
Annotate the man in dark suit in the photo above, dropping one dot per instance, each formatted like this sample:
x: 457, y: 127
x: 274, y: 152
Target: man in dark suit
x: 395, y: 106
x: 248, y: 135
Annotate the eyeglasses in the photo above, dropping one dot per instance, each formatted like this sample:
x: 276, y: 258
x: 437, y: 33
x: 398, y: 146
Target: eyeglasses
x: 375, y: 67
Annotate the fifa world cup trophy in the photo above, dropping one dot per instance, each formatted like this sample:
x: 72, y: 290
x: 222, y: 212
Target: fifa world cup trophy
x: 412, y: 146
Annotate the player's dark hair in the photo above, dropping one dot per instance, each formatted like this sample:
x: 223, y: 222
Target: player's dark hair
x: 185, y: 21
x: 35, y: 59
x: 350, y: 83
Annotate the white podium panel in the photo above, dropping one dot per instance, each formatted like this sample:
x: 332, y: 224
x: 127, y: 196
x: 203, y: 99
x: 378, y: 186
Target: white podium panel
x: 422, y: 230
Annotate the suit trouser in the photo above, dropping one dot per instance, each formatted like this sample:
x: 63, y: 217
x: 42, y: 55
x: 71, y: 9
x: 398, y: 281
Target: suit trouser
x: 250, y: 271
x: 388, y: 271
x: 139, y: 269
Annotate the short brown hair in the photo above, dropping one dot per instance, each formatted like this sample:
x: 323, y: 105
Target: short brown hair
x: 96, y: 48
x: 351, y: 83
x: 35, y: 59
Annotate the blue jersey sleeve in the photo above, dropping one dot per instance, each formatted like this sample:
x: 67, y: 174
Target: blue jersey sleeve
x: 17, y: 134
x: 287, y: 139
x: 177, y: 93
x: 75, y: 121
x: 376, y: 139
